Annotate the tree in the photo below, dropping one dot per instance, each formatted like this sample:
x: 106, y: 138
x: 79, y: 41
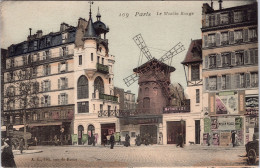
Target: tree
x: 22, y: 89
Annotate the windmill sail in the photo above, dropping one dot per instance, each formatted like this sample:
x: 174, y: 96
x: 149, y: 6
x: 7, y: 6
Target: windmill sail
x: 130, y: 79
x: 141, y: 44
x: 178, y: 48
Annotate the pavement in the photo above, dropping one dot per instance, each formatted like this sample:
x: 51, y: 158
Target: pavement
x: 133, y: 156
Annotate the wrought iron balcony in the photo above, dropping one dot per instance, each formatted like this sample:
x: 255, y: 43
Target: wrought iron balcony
x: 108, y: 113
x: 108, y: 97
x: 102, y: 68
x: 178, y: 109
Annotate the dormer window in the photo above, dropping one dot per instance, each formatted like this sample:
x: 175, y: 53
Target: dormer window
x: 35, y: 45
x: 48, y: 41
x: 224, y: 18
x: 64, y: 37
x: 25, y: 47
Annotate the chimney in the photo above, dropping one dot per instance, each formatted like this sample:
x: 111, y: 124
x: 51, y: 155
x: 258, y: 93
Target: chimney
x: 30, y: 32
x: 220, y: 4
x: 39, y: 33
x: 211, y: 4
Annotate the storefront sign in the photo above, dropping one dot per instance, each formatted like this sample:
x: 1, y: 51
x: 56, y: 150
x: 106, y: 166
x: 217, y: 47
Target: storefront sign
x: 227, y: 103
x: 206, y: 125
x: 226, y: 123
x: 252, y: 105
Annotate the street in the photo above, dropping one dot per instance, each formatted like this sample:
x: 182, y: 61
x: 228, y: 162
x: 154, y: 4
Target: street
x: 120, y: 156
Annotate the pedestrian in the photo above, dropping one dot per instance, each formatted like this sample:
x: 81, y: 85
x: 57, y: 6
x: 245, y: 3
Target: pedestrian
x: 112, y: 141
x: 7, y: 156
x: 127, y: 140
x: 233, y: 138
x: 180, y: 140
x: 208, y: 140
x: 21, y: 144
x: 177, y: 140
x: 104, y: 139
x: 93, y: 140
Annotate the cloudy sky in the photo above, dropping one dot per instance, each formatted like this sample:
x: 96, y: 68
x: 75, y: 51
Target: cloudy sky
x: 125, y: 20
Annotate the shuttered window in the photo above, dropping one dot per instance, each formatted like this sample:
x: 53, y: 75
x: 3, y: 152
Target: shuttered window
x: 197, y: 96
x: 239, y: 57
x: 63, y: 99
x: 205, y: 41
x: 224, y: 38
x: 254, y: 79
x: 213, y: 83
x: 226, y: 59
x: 80, y: 59
x: 231, y: 37
x: 212, y: 61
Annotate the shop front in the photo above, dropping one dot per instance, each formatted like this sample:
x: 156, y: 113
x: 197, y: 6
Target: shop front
x: 174, y: 129
x: 106, y: 131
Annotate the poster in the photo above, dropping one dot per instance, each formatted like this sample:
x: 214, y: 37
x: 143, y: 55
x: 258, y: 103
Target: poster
x: 84, y: 138
x: 74, y: 138
x: 206, y: 125
x: 227, y: 103
x: 226, y: 123
x: 252, y: 106
x: 215, y: 139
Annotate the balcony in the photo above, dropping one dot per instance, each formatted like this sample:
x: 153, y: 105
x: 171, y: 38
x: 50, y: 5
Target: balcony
x: 108, y: 97
x: 108, y: 113
x: 102, y: 68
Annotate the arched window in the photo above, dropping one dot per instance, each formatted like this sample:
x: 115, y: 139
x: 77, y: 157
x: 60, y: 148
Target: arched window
x: 146, y: 91
x: 82, y: 87
x: 146, y: 103
x: 155, y: 91
x: 99, y: 85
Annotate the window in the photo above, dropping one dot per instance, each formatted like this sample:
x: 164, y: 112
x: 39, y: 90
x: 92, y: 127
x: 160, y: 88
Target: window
x: 46, y: 85
x: 35, y: 45
x: 83, y: 107
x: 36, y: 87
x: 195, y: 72
x: 62, y: 83
x: 34, y: 102
x: 224, y: 82
x: 224, y: 38
x: 48, y: 41
x: 101, y: 107
x: 34, y: 71
x: 109, y: 80
x: 63, y: 99
x: 46, y: 101
x: 35, y: 117
x: 11, y: 105
x: 146, y: 103
x: 155, y: 91
x: 211, y: 20
x: 63, y: 67
x: 197, y: 96
x: 12, y: 62
x: 226, y: 59
x: 254, y: 79
x: 224, y: 19
x: 46, y: 70
x: 46, y: 115
x: 146, y: 91
x: 211, y: 40
x: 80, y: 59
x: 46, y: 55
x: 64, y: 37
x: 24, y: 60
x: 212, y: 61
x: 102, y: 61
x: 98, y: 59
x: 238, y: 36
x: 242, y: 80
x: 99, y: 85
x: 25, y: 47
x: 213, y: 83
x: 238, y: 16
x: 82, y: 87
x: 239, y: 57
x: 252, y: 34
x: 92, y: 57
x: 10, y: 91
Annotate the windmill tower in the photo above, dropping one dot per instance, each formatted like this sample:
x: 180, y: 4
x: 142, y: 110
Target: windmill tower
x: 153, y: 79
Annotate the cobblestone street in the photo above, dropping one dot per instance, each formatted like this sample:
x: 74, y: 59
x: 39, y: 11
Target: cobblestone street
x: 149, y: 156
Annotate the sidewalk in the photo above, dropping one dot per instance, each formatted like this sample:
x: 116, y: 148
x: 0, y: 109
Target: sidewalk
x: 17, y: 152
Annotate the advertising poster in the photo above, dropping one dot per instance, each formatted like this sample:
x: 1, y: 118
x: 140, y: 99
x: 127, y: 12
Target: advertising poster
x: 74, y: 138
x: 226, y: 123
x: 206, y: 125
x: 238, y: 122
x: 214, y: 123
x: 225, y: 138
x: 84, y: 138
x: 252, y: 105
x: 227, y: 103
x: 215, y: 139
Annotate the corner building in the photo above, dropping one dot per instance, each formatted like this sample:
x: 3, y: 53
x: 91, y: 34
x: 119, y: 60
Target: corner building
x: 230, y: 73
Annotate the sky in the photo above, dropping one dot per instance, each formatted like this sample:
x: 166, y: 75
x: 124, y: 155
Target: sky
x: 162, y: 25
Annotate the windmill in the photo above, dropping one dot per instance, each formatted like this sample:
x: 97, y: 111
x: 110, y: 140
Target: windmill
x: 153, y: 67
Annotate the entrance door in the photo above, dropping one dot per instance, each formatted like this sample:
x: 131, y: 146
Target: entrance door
x: 197, y: 131
x: 80, y: 133
x: 173, y: 129
x: 149, y: 131
x: 106, y: 131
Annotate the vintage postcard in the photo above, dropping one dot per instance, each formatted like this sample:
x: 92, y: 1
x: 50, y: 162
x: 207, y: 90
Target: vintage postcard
x: 129, y: 83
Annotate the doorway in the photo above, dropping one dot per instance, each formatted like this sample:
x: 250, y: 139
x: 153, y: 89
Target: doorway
x: 197, y: 131
x: 149, y: 131
x: 80, y: 133
x: 106, y: 131
x: 173, y: 129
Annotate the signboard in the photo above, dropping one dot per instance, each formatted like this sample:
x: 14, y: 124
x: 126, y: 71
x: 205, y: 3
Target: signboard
x: 206, y: 125
x: 84, y: 138
x: 226, y: 103
x: 74, y: 138
x: 226, y: 123
x: 251, y: 105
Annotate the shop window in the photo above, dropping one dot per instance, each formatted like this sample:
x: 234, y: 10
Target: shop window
x: 82, y: 88
x: 195, y: 72
x: 83, y: 107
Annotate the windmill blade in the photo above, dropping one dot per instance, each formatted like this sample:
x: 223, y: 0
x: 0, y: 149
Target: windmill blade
x: 141, y: 44
x: 178, y: 48
x: 131, y: 79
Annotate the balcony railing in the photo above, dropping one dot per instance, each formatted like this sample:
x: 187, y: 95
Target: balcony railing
x: 108, y: 113
x: 178, y: 109
x: 102, y: 68
x: 108, y: 97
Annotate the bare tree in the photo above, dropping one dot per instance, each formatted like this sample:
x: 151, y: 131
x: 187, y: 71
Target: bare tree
x: 23, y: 89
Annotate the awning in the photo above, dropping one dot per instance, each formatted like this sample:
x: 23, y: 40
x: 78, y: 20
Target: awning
x: 44, y: 124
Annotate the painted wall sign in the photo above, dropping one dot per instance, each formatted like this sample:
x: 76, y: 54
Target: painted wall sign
x: 226, y: 123
x: 252, y: 105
